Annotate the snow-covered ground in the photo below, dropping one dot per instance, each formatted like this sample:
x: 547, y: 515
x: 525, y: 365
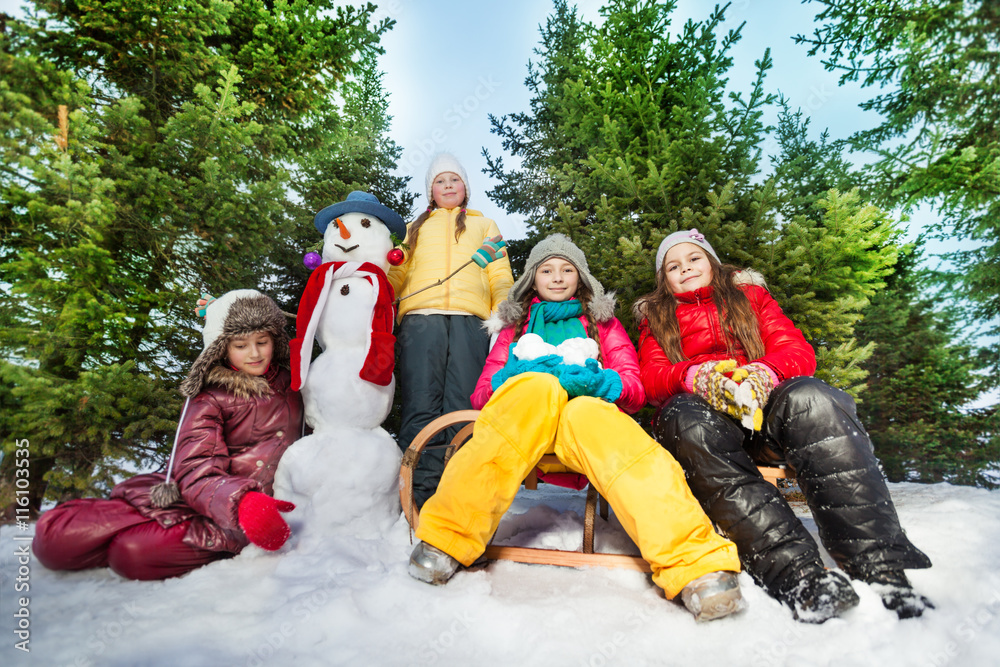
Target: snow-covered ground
x: 347, y: 600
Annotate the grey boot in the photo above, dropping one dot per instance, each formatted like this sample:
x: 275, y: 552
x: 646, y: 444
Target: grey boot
x: 713, y: 596
x: 431, y: 565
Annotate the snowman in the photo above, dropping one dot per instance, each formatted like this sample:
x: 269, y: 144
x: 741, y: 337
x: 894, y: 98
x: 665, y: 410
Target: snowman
x: 344, y: 474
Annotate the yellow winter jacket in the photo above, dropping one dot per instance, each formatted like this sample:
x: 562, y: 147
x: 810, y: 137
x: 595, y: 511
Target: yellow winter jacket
x: 436, y: 254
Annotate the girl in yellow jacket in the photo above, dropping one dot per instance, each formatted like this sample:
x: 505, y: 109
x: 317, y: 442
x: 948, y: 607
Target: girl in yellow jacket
x: 441, y: 342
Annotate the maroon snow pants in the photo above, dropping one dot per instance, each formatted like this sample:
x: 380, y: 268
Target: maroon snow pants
x: 93, y: 532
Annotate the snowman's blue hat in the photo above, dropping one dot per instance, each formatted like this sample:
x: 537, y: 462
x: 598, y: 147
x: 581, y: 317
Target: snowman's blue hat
x: 361, y: 202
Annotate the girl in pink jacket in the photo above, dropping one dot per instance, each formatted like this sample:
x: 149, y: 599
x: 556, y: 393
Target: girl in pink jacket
x: 557, y: 380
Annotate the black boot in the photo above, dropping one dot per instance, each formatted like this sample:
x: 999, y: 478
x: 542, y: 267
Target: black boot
x: 819, y: 596
x: 897, y: 594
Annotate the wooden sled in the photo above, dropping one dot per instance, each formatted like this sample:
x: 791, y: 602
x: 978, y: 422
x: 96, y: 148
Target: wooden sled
x: 586, y: 557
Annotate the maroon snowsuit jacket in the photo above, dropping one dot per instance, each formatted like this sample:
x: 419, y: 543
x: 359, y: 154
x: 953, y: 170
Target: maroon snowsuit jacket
x: 232, y: 437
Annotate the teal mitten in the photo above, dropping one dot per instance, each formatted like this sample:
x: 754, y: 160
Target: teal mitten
x: 591, y: 380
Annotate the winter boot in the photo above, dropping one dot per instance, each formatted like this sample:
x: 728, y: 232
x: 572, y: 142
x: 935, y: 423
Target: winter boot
x: 431, y: 565
x: 897, y: 594
x: 819, y: 596
x: 713, y: 596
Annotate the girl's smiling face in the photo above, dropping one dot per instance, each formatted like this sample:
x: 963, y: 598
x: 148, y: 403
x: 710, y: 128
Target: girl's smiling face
x: 686, y: 268
x: 251, y: 354
x: 448, y: 190
x: 556, y: 280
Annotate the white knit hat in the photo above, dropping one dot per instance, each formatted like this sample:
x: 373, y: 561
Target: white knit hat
x: 441, y: 163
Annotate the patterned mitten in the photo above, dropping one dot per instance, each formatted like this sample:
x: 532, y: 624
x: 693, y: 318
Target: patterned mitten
x: 711, y: 383
x: 491, y: 250
x: 259, y: 519
x: 754, y: 389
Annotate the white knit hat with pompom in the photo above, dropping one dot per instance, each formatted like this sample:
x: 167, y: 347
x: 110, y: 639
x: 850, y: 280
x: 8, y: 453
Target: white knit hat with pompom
x: 441, y: 163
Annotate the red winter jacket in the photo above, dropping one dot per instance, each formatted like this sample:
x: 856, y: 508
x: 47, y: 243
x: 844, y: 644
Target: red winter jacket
x: 617, y: 352
x: 232, y: 437
x: 786, y: 351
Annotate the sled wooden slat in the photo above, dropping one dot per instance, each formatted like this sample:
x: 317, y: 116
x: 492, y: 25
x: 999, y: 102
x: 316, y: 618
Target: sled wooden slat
x: 567, y: 558
x: 774, y: 473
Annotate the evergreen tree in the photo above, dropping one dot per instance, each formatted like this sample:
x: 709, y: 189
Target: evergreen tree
x: 632, y: 136
x: 922, y: 376
x: 937, y: 65
x: 169, y: 175
x: 919, y: 374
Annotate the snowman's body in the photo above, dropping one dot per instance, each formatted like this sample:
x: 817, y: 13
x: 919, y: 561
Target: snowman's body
x: 345, y: 473
x: 333, y: 391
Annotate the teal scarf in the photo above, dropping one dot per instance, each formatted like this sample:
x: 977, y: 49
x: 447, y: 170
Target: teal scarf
x: 556, y: 321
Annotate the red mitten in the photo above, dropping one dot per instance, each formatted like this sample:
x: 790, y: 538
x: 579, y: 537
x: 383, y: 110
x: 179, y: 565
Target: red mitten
x: 259, y: 519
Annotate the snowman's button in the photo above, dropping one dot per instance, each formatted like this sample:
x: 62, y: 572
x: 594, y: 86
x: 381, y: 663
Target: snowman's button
x: 260, y: 464
x: 345, y: 290
x: 279, y: 434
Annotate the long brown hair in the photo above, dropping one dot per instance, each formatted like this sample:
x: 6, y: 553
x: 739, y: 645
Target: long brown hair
x: 583, y: 294
x: 411, y: 236
x: 740, y: 327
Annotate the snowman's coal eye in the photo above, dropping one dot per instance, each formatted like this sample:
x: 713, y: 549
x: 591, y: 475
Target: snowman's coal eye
x: 366, y: 223
x: 345, y: 290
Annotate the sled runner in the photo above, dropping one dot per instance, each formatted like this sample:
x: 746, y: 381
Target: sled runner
x: 586, y: 557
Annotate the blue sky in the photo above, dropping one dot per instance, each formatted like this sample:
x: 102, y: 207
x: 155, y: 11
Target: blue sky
x: 448, y: 65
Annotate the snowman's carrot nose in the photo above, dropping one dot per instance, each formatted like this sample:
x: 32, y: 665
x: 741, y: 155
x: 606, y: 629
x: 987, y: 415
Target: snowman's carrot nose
x: 344, y: 234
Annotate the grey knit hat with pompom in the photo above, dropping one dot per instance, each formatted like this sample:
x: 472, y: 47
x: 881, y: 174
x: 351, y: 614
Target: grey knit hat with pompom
x: 602, y: 306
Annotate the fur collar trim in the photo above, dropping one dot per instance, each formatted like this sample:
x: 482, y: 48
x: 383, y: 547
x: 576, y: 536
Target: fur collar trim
x: 602, y: 308
x: 242, y: 385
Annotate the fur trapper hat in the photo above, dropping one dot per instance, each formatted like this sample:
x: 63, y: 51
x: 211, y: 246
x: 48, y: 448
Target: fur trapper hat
x: 441, y: 163
x: 602, y: 306
x: 236, y: 313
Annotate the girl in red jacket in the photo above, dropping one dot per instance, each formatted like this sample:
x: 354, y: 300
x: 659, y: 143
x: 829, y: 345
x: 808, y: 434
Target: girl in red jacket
x: 557, y: 380
x: 239, y: 418
x: 732, y: 375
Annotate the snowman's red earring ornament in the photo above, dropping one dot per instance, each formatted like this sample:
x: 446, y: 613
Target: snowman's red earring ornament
x: 397, y: 255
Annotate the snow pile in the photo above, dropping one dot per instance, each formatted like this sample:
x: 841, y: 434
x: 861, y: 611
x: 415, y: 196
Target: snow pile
x: 342, y: 597
x: 574, y: 351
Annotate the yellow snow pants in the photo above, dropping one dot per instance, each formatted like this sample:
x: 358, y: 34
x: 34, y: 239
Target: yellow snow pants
x: 531, y: 415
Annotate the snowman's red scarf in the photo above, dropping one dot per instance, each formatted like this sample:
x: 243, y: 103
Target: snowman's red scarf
x: 381, y: 358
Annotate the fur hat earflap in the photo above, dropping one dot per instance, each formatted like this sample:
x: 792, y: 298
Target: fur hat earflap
x: 441, y: 163
x: 236, y: 313
x: 602, y: 306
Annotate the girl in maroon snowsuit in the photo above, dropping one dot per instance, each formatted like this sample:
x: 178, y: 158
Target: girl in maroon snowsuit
x: 240, y: 417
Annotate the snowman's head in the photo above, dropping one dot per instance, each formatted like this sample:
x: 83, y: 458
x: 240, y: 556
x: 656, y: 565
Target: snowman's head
x: 359, y: 229
x: 357, y: 237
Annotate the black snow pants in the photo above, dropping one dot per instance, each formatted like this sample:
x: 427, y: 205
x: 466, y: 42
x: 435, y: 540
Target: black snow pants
x: 440, y: 360
x: 815, y: 429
